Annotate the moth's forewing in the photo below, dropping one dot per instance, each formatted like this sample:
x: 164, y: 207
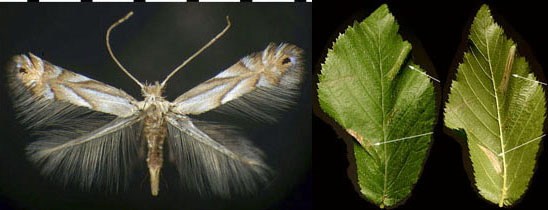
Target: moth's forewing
x: 264, y: 82
x: 47, y: 81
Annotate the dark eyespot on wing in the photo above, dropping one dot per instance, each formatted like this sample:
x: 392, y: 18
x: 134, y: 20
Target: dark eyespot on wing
x: 23, y: 70
x: 286, y: 61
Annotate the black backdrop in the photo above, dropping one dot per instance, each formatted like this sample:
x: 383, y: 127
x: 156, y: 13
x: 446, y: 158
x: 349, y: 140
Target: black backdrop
x: 438, y: 31
x: 154, y: 41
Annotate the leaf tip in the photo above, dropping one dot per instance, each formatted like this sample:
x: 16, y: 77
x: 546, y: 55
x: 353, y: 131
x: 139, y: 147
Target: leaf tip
x: 381, y: 12
x: 484, y: 10
x: 383, y: 7
x: 484, y: 7
x: 483, y: 18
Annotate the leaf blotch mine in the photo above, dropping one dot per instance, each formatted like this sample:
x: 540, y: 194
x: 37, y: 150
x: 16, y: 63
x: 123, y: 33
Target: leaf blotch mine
x: 507, y: 69
x: 492, y: 158
x: 356, y: 136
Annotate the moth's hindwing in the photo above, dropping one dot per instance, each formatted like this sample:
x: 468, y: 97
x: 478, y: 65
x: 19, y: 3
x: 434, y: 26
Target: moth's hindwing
x: 214, y: 158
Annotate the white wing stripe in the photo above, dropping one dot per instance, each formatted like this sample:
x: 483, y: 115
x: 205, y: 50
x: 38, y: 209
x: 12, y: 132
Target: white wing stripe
x: 56, y: 71
x: 243, y: 86
x: 104, y: 97
x: 247, y: 63
x: 48, y: 94
x: 73, y: 97
x: 265, y: 54
x: 202, y: 102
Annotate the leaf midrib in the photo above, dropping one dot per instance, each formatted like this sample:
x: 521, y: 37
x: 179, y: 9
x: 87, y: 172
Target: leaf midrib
x: 381, y: 75
x: 501, y: 136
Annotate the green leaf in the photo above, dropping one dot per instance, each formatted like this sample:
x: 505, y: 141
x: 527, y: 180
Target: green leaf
x: 500, y: 106
x: 370, y: 86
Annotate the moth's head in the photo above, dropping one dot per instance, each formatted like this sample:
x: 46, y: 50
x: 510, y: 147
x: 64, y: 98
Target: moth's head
x: 152, y: 91
x: 28, y: 69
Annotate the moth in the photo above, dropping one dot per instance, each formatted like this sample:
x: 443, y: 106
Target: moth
x: 93, y: 135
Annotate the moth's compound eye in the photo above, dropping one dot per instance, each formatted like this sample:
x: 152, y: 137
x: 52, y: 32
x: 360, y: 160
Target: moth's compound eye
x: 286, y: 61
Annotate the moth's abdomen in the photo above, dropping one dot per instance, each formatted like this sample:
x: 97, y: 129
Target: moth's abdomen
x: 155, y: 132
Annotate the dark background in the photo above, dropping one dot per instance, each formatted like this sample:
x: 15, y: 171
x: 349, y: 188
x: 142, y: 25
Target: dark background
x: 150, y: 44
x: 438, y: 31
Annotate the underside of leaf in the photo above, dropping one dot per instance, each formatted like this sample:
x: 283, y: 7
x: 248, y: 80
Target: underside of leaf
x: 499, y: 104
x: 371, y: 87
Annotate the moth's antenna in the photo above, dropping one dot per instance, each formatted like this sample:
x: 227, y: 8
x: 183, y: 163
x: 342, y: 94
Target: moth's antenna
x: 197, y: 52
x: 110, y: 50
